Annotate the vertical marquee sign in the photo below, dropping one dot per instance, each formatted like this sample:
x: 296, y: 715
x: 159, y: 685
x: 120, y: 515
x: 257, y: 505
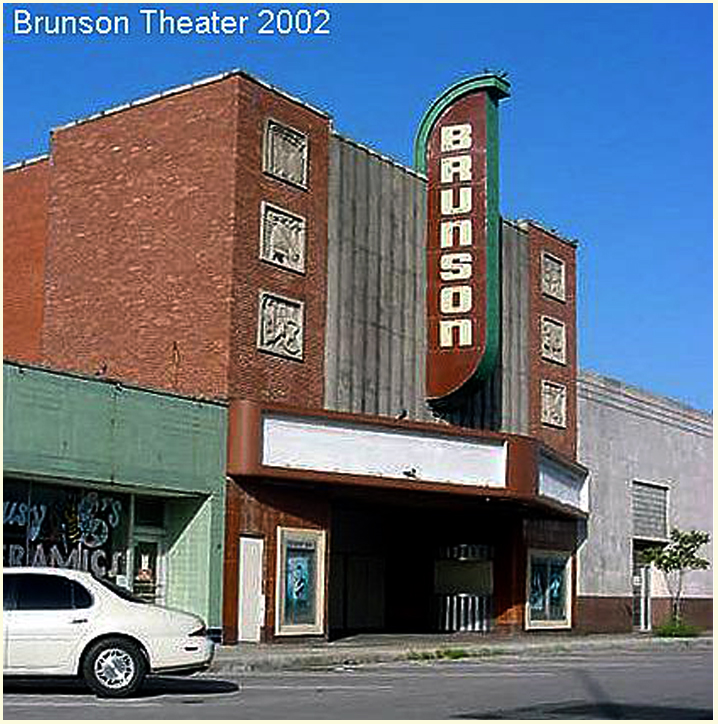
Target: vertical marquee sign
x: 457, y: 148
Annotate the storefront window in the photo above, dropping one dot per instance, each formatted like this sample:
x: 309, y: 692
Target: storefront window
x: 149, y: 512
x: 549, y: 590
x: 300, y: 581
x: 65, y: 527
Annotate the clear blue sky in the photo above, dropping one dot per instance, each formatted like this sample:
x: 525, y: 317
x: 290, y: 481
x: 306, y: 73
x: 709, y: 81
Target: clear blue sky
x: 607, y: 136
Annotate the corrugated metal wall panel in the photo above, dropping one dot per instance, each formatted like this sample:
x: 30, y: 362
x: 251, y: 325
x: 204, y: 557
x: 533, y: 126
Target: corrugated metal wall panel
x: 515, y: 320
x: 375, y: 330
x: 333, y: 321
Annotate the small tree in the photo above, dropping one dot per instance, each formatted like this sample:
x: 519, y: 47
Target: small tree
x: 676, y: 557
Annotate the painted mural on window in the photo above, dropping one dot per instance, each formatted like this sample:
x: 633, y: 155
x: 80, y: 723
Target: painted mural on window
x: 65, y: 527
x: 300, y: 577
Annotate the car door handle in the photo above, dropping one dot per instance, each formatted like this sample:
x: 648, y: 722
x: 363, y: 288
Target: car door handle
x: 79, y: 620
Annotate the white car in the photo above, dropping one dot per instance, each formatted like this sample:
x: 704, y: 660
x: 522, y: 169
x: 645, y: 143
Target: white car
x: 59, y: 622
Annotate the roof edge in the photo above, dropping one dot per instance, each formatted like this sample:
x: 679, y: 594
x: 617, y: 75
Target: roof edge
x: 26, y: 162
x: 176, y: 90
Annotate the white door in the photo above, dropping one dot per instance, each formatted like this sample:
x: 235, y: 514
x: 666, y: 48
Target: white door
x: 642, y: 598
x: 250, y: 610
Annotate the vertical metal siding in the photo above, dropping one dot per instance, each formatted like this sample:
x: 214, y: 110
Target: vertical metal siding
x: 375, y: 297
x: 332, y: 329
x: 376, y: 336
x: 515, y: 315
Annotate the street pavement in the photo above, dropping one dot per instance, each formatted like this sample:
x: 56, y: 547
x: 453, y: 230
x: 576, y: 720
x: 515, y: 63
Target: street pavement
x: 632, y: 679
x: 376, y: 648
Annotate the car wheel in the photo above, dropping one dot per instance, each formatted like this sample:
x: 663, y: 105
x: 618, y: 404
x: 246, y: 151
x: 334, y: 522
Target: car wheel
x: 114, y: 667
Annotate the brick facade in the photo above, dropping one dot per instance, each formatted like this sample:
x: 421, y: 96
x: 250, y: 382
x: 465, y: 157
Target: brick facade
x: 543, y: 306
x: 153, y: 246
x: 24, y: 239
x: 141, y: 238
x: 256, y: 508
x: 137, y: 253
x: 258, y: 375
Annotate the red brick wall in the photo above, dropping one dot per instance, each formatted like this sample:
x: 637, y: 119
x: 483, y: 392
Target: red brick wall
x: 153, y: 265
x: 25, y: 192
x: 256, y: 375
x: 695, y: 612
x: 510, y: 578
x: 604, y: 614
x: 563, y: 440
x: 257, y: 508
x: 141, y: 234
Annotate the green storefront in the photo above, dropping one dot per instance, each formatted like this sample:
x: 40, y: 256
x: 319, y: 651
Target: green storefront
x: 128, y: 483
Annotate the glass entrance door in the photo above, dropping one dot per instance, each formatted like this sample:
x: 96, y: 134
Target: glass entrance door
x: 148, y: 569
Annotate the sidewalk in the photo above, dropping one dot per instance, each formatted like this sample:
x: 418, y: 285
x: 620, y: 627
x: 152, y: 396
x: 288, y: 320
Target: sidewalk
x: 372, y: 648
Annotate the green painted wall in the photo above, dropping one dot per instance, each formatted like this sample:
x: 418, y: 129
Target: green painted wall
x: 60, y: 426
x: 71, y: 427
x: 194, y: 546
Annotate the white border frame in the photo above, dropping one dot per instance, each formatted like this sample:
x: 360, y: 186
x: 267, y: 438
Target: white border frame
x: 553, y: 257
x: 320, y: 538
x: 264, y: 293
x: 266, y: 206
x: 565, y: 623
x: 564, y: 350
x: 652, y: 483
x: 265, y: 154
x: 551, y: 383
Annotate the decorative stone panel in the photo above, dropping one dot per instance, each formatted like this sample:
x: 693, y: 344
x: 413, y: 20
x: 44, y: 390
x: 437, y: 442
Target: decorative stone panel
x: 553, y: 404
x: 281, y: 326
x: 282, y: 238
x: 286, y: 153
x: 553, y: 340
x: 553, y: 277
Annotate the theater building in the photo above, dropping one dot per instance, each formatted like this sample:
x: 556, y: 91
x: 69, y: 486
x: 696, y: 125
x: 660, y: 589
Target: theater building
x: 386, y: 368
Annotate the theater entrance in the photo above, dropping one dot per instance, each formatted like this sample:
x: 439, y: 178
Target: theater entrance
x: 411, y: 569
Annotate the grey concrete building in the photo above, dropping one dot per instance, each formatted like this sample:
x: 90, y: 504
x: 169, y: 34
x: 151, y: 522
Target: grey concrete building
x: 650, y: 460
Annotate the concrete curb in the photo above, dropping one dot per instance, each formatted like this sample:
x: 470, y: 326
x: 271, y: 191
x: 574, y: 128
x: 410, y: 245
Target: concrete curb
x: 264, y: 658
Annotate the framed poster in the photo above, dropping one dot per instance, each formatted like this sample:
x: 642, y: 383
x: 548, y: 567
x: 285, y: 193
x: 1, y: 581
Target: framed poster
x: 549, y: 590
x: 300, y: 581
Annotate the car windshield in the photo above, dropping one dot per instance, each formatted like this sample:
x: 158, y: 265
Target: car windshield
x: 119, y: 591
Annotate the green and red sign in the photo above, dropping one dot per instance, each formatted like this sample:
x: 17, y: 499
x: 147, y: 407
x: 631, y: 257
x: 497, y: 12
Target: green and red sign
x: 457, y: 148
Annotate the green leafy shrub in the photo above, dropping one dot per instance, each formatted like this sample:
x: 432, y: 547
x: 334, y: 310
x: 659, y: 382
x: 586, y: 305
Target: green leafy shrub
x: 676, y: 629
x: 675, y: 559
